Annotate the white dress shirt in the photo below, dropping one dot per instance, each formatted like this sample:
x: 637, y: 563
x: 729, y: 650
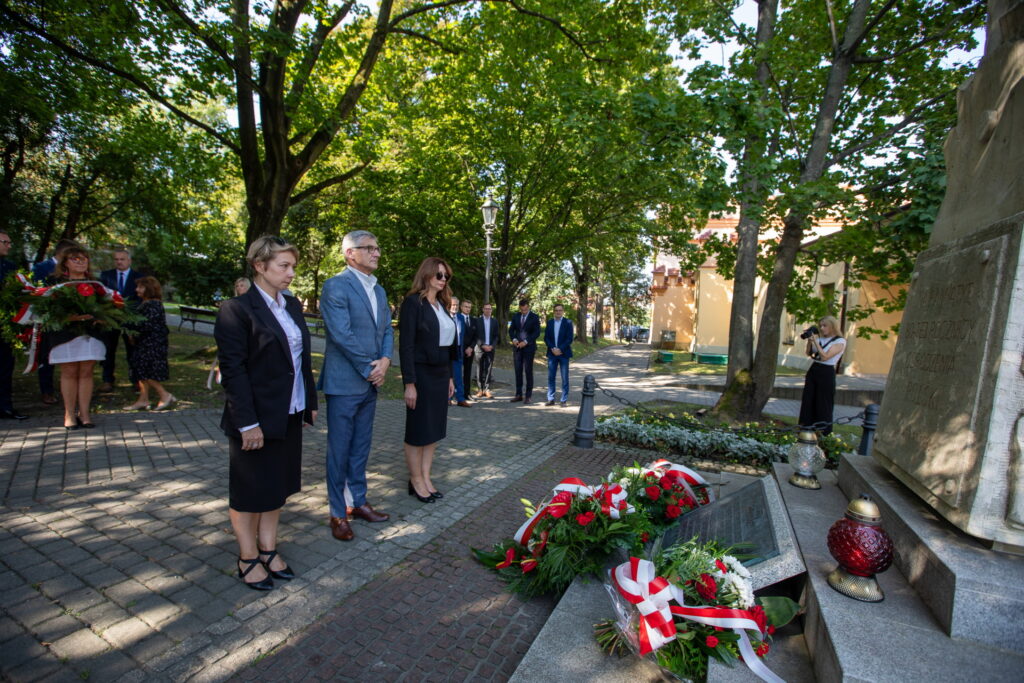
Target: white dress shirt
x: 446, y: 324
x: 368, y: 282
x: 487, y: 331
x: 556, y: 327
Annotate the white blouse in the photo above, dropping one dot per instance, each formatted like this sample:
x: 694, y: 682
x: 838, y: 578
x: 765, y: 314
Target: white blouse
x: 446, y: 324
x: 828, y: 344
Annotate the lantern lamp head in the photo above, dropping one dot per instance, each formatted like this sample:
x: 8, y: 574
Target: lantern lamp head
x: 806, y: 459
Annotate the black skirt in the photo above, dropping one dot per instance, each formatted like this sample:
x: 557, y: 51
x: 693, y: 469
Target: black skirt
x: 261, y: 480
x: 428, y: 423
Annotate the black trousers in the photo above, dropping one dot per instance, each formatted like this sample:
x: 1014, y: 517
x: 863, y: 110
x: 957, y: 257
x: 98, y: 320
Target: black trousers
x: 483, y: 367
x: 522, y: 360
x: 819, y: 396
x: 6, y: 374
x: 467, y: 373
x: 110, y: 339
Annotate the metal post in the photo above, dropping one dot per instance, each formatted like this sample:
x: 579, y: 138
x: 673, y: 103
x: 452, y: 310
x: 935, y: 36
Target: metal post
x: 583, y: 437
x: 867, y: 436
x: 488, y: 229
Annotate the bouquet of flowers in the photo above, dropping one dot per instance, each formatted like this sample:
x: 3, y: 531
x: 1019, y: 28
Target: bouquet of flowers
x: 694, y: 601
x: 574, y: 532
x: 13, y: 294
x: 663, y: 491
x: 78, y: 307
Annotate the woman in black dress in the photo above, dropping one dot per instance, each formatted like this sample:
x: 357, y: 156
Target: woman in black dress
x: 816, y: 403
x: 263, y: 348
x: 148, y: 358
x: 426, y: 346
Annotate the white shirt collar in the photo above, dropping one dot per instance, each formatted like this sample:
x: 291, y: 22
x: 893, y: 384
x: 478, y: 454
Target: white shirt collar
x: 367, y: 280
x: 266, y: 297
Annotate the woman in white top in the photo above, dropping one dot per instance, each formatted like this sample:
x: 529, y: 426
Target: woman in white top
x: 76, y: 353
x: 825, y: 348
x: 427, y: 347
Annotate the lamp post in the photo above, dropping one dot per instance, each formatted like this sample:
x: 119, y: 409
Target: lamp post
x: 490, y: 211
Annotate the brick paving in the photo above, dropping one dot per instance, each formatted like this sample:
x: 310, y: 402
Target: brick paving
x: 117, y: 558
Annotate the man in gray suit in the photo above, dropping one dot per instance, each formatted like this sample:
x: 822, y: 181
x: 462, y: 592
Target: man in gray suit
x: 358, y: 353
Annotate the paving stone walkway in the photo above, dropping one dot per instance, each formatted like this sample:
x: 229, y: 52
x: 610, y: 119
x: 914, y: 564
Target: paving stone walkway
x: 117, y: 558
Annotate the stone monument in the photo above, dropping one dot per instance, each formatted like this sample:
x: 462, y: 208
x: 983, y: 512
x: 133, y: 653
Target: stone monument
x: 951, y: 426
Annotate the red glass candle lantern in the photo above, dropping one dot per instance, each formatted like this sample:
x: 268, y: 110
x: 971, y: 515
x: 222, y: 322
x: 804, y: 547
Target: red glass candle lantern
x: 862, y: 549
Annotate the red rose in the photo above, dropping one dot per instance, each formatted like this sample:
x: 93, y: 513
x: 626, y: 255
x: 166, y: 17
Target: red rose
x: 762, y: 649
x: 510, y: 555
x: 85, y: 290
x: 760, y: 617
x: 711, y: 642
x: 721, y: 566
x: 689, y: 502
x: 673, y: 511
x: 653, y: 492
x: 666, y: 483
x: 644, y: 537
x: 101, y: 290
x: 585, y: 518
x: 771, y: 630
x: 706, y: 587
x: 529, y: 565
x: 559, y: 505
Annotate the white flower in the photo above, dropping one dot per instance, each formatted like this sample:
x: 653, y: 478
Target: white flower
x: 741, y: 588
x: 736, y: 566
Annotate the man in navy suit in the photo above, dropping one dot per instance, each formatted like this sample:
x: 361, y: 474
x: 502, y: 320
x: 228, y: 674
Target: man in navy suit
x: 460, y: 342
x: 523, y: 330
x: 357, y: 356
x: 488, y: 335
x: 558, y: 336
x: 468, y: 345
x: 121, y: 278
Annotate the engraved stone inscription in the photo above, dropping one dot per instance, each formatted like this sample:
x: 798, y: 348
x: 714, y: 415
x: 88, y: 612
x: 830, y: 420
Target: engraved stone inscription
x: 741, y: 518
x: 941, y: 366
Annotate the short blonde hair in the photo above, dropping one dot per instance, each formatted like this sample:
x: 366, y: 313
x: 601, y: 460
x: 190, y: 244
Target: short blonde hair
x: 265, y: 248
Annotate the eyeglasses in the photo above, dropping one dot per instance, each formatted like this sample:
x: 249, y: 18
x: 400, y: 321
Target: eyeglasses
x: 6, y: 242
x: 442, y: 276
x: 370, y: 248
x: 78, y: 258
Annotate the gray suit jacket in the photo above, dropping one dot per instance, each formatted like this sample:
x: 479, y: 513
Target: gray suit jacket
x: 353, y: 339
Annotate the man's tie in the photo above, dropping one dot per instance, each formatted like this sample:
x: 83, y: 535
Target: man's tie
x: 120, y: 283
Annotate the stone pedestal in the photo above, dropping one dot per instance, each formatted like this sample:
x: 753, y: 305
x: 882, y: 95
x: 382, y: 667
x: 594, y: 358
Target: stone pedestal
x: 951, y: 426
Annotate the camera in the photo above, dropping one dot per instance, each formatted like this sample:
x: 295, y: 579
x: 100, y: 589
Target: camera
x: 806, y: 334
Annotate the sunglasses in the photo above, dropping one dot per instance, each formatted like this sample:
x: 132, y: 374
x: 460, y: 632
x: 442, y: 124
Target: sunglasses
x: 442, y: 276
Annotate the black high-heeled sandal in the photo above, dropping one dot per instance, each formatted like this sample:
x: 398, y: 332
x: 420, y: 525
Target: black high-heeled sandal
x: 422, y: 499
x: 285, y: 574
x: 264, y: 585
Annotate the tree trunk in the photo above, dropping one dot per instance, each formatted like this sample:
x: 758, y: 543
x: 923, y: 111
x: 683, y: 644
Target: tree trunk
x: 51, y: 216
x: 581, y: 274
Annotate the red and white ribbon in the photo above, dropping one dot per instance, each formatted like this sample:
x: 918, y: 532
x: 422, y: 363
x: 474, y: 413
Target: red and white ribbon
x: 684, y: 475
x: 609, y: 496
x: 637, y: 582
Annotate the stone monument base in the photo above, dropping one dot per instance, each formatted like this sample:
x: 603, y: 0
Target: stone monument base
x: 974, y: 592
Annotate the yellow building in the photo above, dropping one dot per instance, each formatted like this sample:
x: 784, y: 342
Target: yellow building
x: 690, y: 310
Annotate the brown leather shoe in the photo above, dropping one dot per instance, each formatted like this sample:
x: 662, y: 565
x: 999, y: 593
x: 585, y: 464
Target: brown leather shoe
x: 106, y: 388
x: 49, y: 399
x: 527, y: 401
x: 366, y: 512
x: 341, y: 529
x: 516, y: 399
x: 465, y: 404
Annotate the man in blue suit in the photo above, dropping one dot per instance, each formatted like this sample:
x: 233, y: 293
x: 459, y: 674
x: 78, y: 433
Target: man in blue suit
x: 120, y: 278
x: 462, y: 329
x: 523, y: 330
x: 357, y: 355
x: 558, y: 337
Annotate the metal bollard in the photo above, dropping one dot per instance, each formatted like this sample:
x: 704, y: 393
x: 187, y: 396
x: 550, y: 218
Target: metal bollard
x: 867, y: 437
x: 583, y: 436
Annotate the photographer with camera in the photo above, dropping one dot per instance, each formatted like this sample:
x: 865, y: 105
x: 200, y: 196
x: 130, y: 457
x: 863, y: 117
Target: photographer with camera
x: 825, y: 347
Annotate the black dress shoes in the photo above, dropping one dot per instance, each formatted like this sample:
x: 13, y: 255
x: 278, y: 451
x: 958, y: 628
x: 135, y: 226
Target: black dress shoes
x: 429, y: 498
x: 12, y: 415
x: 265, y: 584
x: 285, y: 574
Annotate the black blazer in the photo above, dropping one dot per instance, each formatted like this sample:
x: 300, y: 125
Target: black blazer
x: 531, y: 328
x: 478, y: 326
x: 256, y: 365
x: 468, y: 334
x: 418, y: 334
x: 109, y: 278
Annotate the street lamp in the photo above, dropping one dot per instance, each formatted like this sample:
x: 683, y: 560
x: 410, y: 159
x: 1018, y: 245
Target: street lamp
x: 490, y: 211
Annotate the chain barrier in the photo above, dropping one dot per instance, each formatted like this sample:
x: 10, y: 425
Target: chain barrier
x: 694, y: 424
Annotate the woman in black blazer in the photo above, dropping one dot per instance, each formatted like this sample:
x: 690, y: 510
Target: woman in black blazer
x: 426, y: 347
x: 263, y: 350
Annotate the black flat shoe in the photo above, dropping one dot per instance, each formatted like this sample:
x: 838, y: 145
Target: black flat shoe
x: 285, y: 574
x: 72, y: 427
x: 436, y: 494
x: 266, y: 584
x: 422, y: 499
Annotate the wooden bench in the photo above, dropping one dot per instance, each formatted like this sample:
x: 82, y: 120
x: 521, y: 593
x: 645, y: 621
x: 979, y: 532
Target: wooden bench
x: 196, y: 315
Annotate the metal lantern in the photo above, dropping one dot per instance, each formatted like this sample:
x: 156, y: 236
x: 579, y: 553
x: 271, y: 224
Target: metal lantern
x: 862, y: 549
x: 807, y: 459
x: 490, y: 211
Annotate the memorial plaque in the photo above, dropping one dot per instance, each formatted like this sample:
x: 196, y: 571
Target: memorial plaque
x: 955, y: 390
x: 753, y: 517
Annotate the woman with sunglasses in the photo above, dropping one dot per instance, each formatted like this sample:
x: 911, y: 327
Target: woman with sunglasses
x: 426, y: 346
x: 76, y: 354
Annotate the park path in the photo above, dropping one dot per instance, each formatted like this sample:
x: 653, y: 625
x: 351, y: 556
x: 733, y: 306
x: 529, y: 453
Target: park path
x: 117, y: 560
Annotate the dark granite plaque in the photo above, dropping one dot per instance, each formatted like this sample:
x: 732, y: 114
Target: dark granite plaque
x: 741, y: 518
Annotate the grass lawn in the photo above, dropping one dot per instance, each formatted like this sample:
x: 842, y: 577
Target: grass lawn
x: 687, y: 367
